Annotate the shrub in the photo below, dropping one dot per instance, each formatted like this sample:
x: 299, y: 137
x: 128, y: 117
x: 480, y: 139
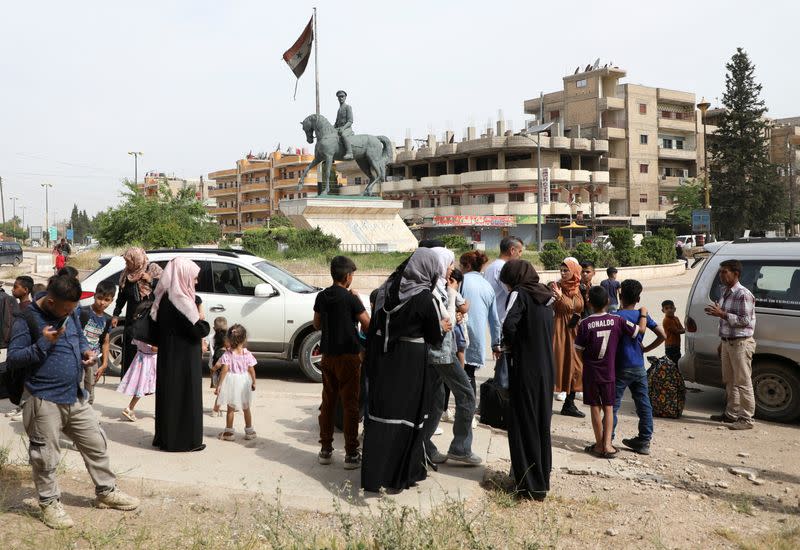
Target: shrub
x: 279, y: 220
x: 658, y: 250
x: 552, y: 255
x: 259, y: 241
x: 455, y: 242
x: 667, y: 233
x: 303, y: 242
x: 585, y: 252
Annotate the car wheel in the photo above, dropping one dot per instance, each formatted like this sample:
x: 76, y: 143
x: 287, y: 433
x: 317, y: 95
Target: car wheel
x: 17, y: 261
x: 115, y: 343
x: 310, y: 356
x: 777, y: 391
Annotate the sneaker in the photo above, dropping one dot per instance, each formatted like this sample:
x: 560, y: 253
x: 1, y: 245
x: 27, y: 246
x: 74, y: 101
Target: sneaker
x: 16, y: 417
x: 249, y: 435
x: 560, y: 396
x: 226, y: 436
x: 14, y: 412
x: 325, y: 457
x: 579, y: 395
x: 572, y: 410
x: 740, y: 425
x: 637, y: 445
x: 447, y: 416
x: 352, y: 462
x: 129, y: 414
x: 474, y: 422
x: 54, y: 516
x: 471, y: 459
x: 723, y: 418
x: 438, y: 458
x: 438, y: 431
x: 117, y: 500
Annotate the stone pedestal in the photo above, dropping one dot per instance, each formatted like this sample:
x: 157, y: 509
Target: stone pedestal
x: 364, y: 224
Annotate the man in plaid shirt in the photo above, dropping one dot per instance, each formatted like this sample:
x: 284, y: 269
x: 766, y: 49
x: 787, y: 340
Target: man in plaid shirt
x: 737, y: 321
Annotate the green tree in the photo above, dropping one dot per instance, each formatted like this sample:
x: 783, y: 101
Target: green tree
x: 13, y: 229
x: 746, y: 192
x: 166, y: 220
x: 686, y: 198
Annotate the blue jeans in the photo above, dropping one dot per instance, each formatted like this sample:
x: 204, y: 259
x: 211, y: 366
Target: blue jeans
x: 455, y: 378
x: 636, y: 380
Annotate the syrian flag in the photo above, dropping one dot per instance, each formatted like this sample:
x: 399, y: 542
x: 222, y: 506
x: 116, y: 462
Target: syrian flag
x: 298, y: 55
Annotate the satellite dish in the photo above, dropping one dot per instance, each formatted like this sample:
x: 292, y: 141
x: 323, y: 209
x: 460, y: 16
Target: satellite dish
x: 588, y: 68
x: 577, y: 69
x: 596, y: 63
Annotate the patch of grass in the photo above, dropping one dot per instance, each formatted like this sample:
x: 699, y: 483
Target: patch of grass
x: 5, y: 456
x: 785, y: 538
x: 743, y: 504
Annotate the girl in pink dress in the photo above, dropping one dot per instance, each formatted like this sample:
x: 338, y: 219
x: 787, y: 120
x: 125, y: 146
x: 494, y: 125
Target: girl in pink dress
x: 140, y: 378
x: 237, y: 382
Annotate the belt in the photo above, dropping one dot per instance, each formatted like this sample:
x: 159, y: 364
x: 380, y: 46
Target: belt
x: 733, y: 338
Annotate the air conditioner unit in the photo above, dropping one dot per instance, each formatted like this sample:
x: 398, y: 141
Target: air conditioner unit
x: 685, y: 173
x: 663, y: 176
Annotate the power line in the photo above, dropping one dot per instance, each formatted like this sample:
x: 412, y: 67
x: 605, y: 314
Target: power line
x: 76, y: 165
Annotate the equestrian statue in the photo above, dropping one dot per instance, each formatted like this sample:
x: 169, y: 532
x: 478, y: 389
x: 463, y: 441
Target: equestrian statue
x: 371, y: 153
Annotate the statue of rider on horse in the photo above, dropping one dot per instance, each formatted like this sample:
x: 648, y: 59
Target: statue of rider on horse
x: 338, y: 142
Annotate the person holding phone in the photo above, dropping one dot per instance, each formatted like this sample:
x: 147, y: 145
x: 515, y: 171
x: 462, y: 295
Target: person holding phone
x: 568, y: 308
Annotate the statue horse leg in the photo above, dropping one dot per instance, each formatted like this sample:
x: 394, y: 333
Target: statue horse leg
x: 312, y: 164
x: 377, y: 170
x: 326, y: 173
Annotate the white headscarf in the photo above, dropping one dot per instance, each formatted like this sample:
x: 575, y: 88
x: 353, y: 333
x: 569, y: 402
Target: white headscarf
x: 177, y: 281
x: 446, y: 258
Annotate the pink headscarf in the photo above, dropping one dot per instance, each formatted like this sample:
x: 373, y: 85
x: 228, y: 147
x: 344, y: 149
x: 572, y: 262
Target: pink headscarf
x: 177, y: 281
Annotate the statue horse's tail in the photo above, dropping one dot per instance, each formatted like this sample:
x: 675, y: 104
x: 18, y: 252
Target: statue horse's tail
x: 387, y: 148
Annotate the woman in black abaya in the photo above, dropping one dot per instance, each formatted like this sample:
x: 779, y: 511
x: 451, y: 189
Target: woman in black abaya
x: 528, y: 341
x: 406, y: 320
x: 179, y: 372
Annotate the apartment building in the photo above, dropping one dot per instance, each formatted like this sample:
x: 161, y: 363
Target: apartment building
x: 248, y: 194
x: 615, y: 153
x: 153, y: 181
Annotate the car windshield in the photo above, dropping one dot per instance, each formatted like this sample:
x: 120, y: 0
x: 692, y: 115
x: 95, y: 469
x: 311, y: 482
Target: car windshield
x: 285, y: 278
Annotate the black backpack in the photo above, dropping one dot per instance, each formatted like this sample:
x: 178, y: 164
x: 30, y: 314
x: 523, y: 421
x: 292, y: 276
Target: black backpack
x: 12, y: 377
x: 494, y: 405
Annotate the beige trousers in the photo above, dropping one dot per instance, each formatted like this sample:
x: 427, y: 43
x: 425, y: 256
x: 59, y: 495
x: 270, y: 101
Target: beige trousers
x: 737, y: 374
x: 44, y: 421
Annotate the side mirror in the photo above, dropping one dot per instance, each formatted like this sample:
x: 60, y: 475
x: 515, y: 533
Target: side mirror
x: 264, y: 290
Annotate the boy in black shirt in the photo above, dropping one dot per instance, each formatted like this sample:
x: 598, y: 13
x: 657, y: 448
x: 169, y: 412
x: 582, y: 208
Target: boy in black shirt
x: 336, y: 312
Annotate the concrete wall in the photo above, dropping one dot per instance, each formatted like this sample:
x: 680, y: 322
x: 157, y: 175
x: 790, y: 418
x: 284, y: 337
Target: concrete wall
x: 366, y: 282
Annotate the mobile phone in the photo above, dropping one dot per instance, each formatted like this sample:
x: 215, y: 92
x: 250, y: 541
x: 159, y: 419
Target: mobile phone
x: 573, y: 321
x: 60, y: 324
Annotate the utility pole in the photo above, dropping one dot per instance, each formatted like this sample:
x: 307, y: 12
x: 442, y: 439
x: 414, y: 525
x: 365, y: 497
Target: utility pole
x: 2, y: 201
x: 136, y: 155
x: 47, y: 211
x: 14, y: 209
x: 316, y: 59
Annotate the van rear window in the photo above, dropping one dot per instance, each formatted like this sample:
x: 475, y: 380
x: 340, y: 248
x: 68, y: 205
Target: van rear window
x: 774, y: 284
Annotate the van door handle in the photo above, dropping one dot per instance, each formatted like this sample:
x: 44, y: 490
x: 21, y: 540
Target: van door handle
x: 216, y: 308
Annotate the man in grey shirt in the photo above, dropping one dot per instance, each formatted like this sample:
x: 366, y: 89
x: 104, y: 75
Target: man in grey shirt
x: 510, y: 249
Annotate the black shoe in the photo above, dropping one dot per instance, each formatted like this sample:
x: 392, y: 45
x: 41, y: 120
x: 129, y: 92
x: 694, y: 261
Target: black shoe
x: 723, y: 418
x: 571, y: 410
x: 637, y: 445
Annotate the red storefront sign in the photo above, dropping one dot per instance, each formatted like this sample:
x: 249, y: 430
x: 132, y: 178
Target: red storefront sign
x: 474, y: 221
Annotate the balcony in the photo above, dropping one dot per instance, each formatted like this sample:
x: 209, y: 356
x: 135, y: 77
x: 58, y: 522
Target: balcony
x: 612, y: 133
x: 581, y: 144
x: 222, y: 191
x: 521, y: 174
x: 600, y: 145
x: 674, y: 96
x: 682, y: 125
x: 403, y: 156
x: 560, y: 142
x: 256, y: 207
x: 259, y: 186
x: 677, y: 154
x: 446, y: 149
x: 483, y: 177
x: 220, y: 210
x: 610, y: 103
x: 600, y: 177
x: 482, y: 143
x: 580, y: 176
x: 613, y: 163
x: 671, y: 182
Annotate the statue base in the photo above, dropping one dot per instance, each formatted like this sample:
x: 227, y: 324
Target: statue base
x: 364, y: 224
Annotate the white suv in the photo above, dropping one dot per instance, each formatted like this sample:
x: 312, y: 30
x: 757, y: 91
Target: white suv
x: 276, y: 307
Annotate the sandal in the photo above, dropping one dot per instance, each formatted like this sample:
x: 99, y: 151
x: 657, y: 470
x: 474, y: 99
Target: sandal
x: 609, y: 455
x: 129, y: 414
x: 592, y: 451
x: 225, y: 436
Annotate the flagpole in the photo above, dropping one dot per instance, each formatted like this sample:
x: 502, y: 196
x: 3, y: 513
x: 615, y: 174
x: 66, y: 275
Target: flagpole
x: 316, y: 58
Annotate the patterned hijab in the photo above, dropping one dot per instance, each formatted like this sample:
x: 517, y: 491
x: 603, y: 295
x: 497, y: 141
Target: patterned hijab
x: 177, y: 282
x: 138, y: 259
x: 571, y: 286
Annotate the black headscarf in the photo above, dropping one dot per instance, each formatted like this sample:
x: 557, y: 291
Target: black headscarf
x: 520, y: 275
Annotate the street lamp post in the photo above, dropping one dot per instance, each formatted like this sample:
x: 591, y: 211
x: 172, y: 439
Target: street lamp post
x: 47, y: 211
x: 792, y: 142
x: 703, y: 106
x: 14, y: 210
x: 136, y: 155
x: 538, y: 131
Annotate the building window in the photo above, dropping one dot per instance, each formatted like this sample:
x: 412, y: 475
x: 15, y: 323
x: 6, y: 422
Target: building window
x: 490, y: 199
x: 554, y: 115
x: 642, y: 108
x: 678, y: 144
x: 581, y: 83
x: 643, y: 168
x: 516, y: 197
x: 455, y: 200
x: 358, y: 180
x: 666, y: 143
x: 642, y: 139
x: 666, y: 114
x: 414, y: 203
x: 643, y: 198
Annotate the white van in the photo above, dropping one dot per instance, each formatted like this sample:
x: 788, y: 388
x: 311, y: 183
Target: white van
x: 771, y: 271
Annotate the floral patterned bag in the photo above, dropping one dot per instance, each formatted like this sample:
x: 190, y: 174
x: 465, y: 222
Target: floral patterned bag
x: 667, y: 388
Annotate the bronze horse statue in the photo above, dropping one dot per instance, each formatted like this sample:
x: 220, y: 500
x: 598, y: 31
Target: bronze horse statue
x: 371, y: 153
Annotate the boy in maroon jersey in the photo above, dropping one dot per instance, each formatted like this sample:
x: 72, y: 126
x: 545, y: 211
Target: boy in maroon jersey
x: 598, y: 337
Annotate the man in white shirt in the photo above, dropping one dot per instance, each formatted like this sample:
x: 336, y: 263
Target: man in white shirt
x: 510, y: 249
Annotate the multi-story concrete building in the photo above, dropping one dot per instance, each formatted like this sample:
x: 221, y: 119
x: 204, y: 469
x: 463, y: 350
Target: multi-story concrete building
x: 615, y: 153
x: 154, y: 180
x: 248, y: 195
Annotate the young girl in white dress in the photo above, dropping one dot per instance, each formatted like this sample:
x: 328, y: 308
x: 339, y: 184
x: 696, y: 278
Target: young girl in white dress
x: 140, y: 378
x: 237, y: 382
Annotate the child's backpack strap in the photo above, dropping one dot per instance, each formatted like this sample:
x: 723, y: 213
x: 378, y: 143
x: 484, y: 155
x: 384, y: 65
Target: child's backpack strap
x: 84, y: 315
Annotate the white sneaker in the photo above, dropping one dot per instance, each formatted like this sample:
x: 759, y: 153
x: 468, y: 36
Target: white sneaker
x: 579, y: 395
x: 14, y: 412
x: 474, y: 422
x: 117, y: 500
x: 438, y: 431
x: 55, y: 517
x: 447, y: 416
x: 561, y: 396
x: 16, y: 417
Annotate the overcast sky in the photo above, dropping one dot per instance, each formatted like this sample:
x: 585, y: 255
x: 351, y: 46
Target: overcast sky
x: 196, y: 84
